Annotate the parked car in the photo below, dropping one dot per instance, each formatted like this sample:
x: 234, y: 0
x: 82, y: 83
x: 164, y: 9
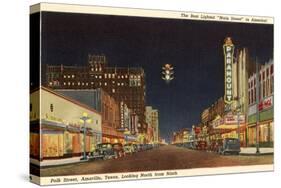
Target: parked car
x: 230, y: 146
x: 129, y: 148
x: 118, y: 149
x: 201, y: 145
x: 104, y: 151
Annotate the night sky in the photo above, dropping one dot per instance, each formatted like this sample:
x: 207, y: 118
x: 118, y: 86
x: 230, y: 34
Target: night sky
x: 194, y: 48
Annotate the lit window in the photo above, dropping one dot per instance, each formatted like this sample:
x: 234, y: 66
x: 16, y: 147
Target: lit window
x: 92, y: 69
x: 96, y: 76
x: 113, y: 90
x: 100, y: 77
x: 92, y: 83
x: 126, y: 76
x: 82, y: 83
x: 118, y: 76
x: 64, y: 76
x: 100, y: 83
x: 86, y: 83
x: 109, y: 75
x: 69, y: 83
x: 73, y: 76
x: 64, y: 83
x: 105, y: 75
x: 122, y: 76
x: 105, y: 83
x: 113, y: 75
x: 122, y: 84
x: 50, y: 83
x: 113, y: 81
x: 118, y: 84
x: 73, y: 83
x: 68, y: 76
x: 79, y: 83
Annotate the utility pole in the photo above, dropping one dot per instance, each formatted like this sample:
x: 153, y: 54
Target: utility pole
x: 257, y: 107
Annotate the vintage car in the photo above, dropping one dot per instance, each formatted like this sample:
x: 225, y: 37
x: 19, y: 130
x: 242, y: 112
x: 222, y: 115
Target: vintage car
x: 201, y: 145
x: 229, y: 146
x: 118, y: 150
x: 129, y: 148
x: 104, y: 151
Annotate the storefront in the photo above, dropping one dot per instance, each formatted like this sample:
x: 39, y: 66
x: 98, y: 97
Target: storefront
x: 59, y: 133
x: 265, y: 124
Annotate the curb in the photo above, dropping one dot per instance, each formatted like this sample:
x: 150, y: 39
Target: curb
x: 254, y: 154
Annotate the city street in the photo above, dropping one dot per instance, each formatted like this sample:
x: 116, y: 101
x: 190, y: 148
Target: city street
x: 162, y: 158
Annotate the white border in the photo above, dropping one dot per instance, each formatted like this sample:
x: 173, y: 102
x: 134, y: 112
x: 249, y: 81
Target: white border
x: 84, y: 9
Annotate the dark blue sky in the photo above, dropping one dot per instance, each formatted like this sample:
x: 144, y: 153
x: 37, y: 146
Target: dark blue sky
x: 194, y: 48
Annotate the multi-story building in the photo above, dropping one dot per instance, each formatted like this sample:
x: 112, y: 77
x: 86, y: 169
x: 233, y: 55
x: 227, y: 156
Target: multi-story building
x: 263, y: 111
x: 205, y: 116
x: 125, y: 84
x: 55, y: 124
x: 106, y: 105
x: 152, y: 120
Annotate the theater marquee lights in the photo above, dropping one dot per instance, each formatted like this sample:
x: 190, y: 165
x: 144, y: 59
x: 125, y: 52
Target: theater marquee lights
x: 228, y: 49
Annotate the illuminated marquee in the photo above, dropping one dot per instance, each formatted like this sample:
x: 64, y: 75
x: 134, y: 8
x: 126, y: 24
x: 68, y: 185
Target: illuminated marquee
x: 228, y: 49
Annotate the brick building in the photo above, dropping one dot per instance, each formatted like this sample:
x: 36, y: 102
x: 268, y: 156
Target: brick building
x: 125, y: 84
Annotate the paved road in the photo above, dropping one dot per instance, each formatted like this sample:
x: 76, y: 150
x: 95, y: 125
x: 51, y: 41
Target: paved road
x: 162, y: 158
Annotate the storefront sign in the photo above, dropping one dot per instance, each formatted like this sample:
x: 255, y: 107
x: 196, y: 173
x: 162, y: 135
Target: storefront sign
x: 252, y: 110
x: 228, y: 48
x: 233, y: 119
x: 266, y: 103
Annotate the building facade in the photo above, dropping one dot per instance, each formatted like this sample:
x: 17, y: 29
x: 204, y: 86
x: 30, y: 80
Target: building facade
x: 123, y: 84
x: 152, y: 120
x: 260, y: 88
x: 104, y: 104
x: 55, y: 124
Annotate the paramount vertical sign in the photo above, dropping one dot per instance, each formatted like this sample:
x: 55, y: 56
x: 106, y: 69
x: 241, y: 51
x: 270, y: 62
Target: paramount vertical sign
x: 228, y: 49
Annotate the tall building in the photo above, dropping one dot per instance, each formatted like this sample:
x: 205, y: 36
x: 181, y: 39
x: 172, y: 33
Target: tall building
x: 263, y: 111
x: 125, y: 84
x: 151, y: 116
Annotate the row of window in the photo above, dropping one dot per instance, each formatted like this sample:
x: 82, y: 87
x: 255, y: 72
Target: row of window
x: 109, y: 75
x: 265, y: 89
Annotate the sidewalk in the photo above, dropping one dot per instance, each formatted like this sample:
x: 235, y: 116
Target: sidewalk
x: 252, y: 151
x: 56, y: 162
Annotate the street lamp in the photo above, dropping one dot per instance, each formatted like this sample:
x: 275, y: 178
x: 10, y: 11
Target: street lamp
x: 84, y: 118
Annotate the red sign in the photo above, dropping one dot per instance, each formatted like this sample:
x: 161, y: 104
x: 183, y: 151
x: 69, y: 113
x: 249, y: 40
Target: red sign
x: 266, y: 103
